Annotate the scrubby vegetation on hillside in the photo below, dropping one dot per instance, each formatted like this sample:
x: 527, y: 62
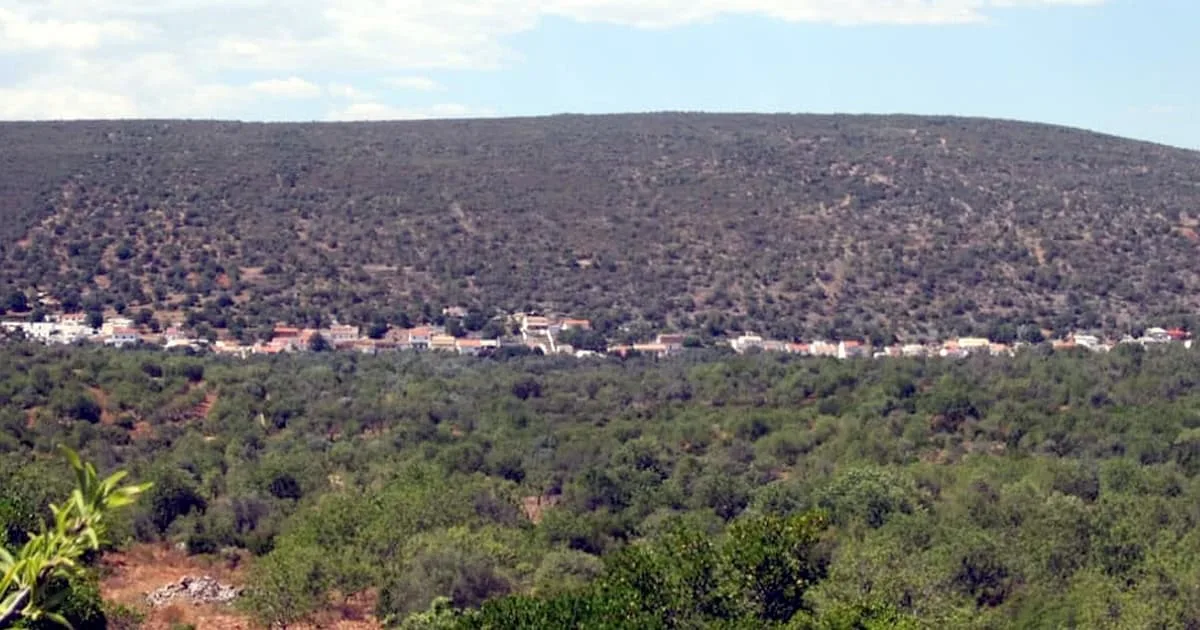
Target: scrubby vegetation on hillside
x: 1043, y: 490
x: 812, y: 226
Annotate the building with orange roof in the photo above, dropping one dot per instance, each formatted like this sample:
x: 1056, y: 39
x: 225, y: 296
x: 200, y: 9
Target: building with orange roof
x: 282, y: 331
x: 656, y: 349
x: 469, y: 346
x: 122, y: 336
x: 850, y: 349
x: 671, y: 340
x: 772, y: 345
x: 1063, y: 344
x: 535, y: 325
x: 418, y: 338
x: 620, y: 350
x: 306, y: 338
x: 950, y: 349
x: 443, y: 342
x: 342, y: 334
x: 576, y: 324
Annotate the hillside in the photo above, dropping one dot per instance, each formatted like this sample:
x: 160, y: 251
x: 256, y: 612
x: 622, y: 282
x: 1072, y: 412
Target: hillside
x: 1045, y: 490
x: 792, y: 225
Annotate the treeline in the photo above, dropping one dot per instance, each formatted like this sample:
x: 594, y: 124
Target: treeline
x: 1044, y: 490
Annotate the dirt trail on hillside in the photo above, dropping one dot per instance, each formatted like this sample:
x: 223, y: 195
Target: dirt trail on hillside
x: 205, y: 407
x: 101, y: 398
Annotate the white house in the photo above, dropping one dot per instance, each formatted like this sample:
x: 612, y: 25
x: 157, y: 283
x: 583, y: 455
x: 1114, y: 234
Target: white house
x: 121, y: 337
x: 821, y: 348
x: 970, y: 345
x: 341, y: 334
x: 113, y: 324
x: 50, y: 332
x: 851, y: 349
x: 746, y: 341
x: 535, y: 325
x: 1156, y: 335
x: 420, y: 337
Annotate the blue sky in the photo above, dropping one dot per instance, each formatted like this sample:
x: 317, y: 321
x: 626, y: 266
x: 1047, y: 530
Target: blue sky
x: 1126, y: 67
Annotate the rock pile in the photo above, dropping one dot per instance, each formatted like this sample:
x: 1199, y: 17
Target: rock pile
x: 196, y: 590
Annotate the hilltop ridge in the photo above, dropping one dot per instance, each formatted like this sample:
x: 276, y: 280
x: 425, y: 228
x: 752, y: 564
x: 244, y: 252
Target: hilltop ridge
x: 792, y: 225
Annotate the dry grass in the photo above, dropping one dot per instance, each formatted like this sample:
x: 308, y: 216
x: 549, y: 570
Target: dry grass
x: 130, y: 575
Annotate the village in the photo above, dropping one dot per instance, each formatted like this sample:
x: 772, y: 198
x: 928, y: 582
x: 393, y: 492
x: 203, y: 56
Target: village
x: 545, y: 334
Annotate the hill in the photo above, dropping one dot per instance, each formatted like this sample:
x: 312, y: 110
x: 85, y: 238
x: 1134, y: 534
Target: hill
x: 790, y: 225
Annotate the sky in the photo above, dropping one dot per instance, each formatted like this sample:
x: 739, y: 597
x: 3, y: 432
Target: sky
x: 1126, y: 67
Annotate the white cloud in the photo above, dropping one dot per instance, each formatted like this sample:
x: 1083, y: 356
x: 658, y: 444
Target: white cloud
x: 22, y: 32
x: 381, y: 111
x: 291, y: 87
x: 667, y: 13
x: 175, y: 57
x: 63, y: 103
x: 147, y: 85
x: 418, y: 84
x: 346, y: 92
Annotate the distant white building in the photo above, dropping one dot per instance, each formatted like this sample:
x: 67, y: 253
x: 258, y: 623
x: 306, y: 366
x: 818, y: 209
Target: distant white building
x: 536, y: 325
x: 821, y: 348
x: 746, y: 342
x: 970, y: 345
x: 50, y: 332
x: 1156, y: 335
x: 851, y: 349
x: 113, y: 324
x: 121, y: 337
x: 76, y: 319
x: 181, y: 342
x: 341, y: 334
